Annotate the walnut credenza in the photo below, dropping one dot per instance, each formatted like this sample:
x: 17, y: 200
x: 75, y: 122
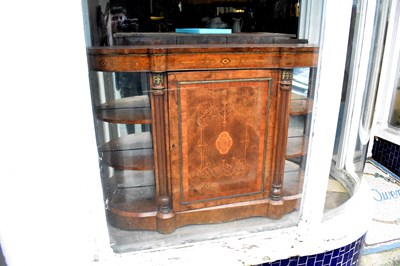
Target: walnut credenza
x: 219, y: 130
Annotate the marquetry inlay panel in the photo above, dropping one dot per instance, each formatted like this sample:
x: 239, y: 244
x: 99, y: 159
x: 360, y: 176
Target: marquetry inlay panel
x: 222, y: 135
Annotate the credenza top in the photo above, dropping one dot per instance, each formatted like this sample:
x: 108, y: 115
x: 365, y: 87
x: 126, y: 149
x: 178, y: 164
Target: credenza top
x: 161, y: 58
x: 201, y: 48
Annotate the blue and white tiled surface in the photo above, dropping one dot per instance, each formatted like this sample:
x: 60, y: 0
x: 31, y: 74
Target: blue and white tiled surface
x: 387, y: 154
x: 345, y: 256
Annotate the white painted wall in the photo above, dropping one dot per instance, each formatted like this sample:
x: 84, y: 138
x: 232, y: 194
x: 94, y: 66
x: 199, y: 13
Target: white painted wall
x: 48, y: 150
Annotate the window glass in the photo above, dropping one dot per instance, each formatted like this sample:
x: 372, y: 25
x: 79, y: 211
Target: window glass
x: 394, y: 118
x: 200, y: 135
x: 365, y: 50
x: 156, y: 16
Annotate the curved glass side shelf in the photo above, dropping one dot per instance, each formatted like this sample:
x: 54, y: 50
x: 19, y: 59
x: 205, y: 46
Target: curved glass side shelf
x: 122, y: 113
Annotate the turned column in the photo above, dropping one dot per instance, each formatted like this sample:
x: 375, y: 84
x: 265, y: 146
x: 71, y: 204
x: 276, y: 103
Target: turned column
x: 285, y: 88
x: 165, y: 216
x: 158, y: 95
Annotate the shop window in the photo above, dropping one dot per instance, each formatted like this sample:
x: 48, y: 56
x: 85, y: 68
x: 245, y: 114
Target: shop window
x: 200, y: 133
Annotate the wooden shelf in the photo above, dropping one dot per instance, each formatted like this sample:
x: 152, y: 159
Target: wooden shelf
x: 131, y: 179
x: 129, y: 159
x: 129, y: 142
x: 137, y: 201
x: 129, y: 110
x: 133, y: 208
x: 300, y: 105
x: 130, y: 152
x: 293, y: 180
x: 296, y: 146
x: 127, y: 102
x: 291, y: 166
x: 293, y: 184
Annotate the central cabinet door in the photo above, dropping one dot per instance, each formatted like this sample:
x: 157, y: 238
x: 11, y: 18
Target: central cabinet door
x: 222, y: 132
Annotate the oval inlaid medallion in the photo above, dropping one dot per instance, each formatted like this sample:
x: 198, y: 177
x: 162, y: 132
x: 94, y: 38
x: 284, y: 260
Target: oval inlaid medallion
x: 224, y: 142
x: 225, y: 61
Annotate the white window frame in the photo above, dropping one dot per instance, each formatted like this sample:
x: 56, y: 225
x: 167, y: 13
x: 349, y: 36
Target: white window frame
x: 388, y: 80
x: 353, y: 109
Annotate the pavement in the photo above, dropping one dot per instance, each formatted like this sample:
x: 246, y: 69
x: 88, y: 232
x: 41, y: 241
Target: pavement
x: 382, y: 242
x: 389, y: 257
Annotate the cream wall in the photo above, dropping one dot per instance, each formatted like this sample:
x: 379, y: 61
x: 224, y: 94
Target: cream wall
x: 47, y: 137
